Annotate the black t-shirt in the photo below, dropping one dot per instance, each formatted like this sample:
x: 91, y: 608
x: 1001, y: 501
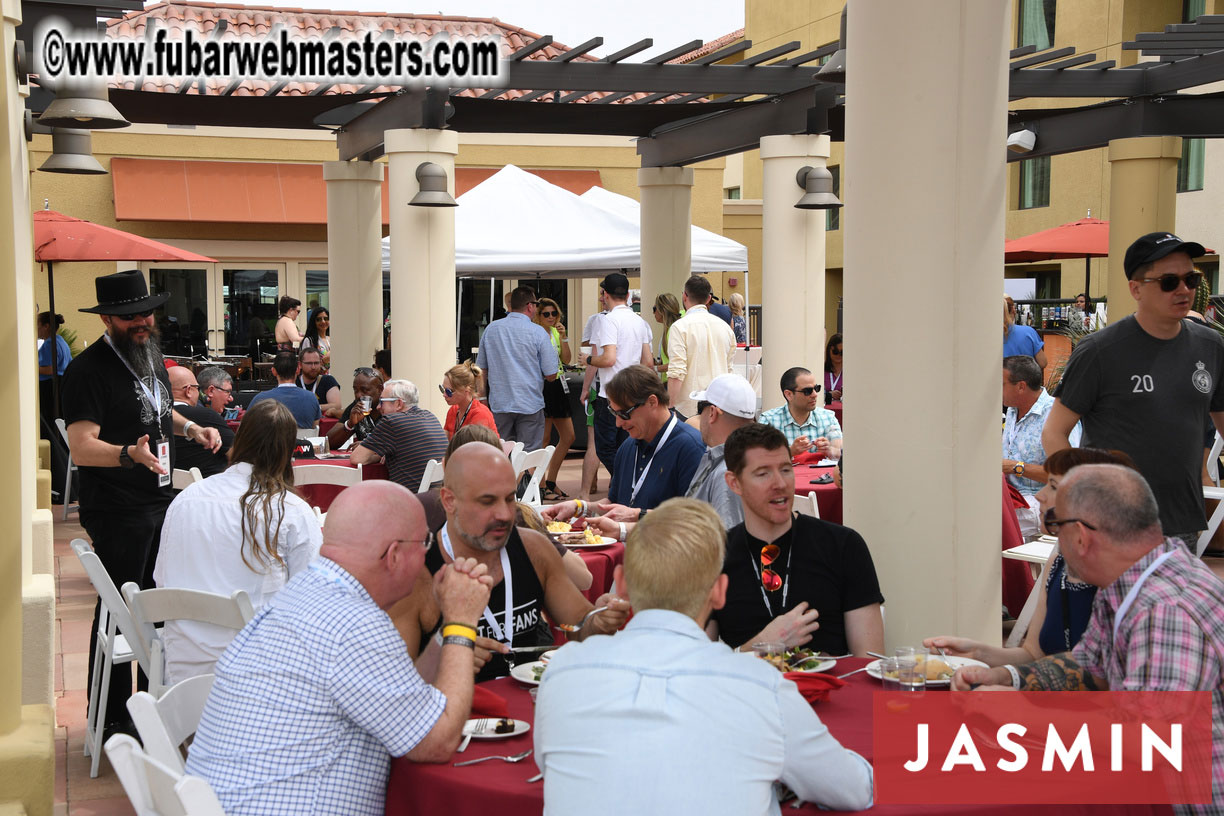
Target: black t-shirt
x: 189, y: 453
x: 364, y: 426
x: 320, y: 387
x: 1149, y: 397
x: 830, y: 568
x: 99, y: 388
x: 530, y: 626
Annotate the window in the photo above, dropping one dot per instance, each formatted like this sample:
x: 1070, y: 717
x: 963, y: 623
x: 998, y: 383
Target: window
x: 1036, y: 23
x: 731, y: 193
x: 1190, y: 166
x: 1193, y: 9
x: 1035, y: 183
x: 833, y: 216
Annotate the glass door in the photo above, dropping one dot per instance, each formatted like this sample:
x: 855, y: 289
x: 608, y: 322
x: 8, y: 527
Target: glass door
x: 249, y: 295
x: 184, y: 321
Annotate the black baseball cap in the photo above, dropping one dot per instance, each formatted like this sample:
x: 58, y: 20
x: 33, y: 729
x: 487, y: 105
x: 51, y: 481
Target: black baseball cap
x: 1153, y: 247
x: 615, y: 284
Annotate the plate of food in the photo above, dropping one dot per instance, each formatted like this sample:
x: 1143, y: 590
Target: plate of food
x: 800, y: 660
x: 494, y: 728
x: 529, y: 673
x: 577, y: 535
x: 939, y: 670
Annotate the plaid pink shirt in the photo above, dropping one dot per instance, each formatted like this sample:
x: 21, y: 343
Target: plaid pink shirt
x: 1172, y: 637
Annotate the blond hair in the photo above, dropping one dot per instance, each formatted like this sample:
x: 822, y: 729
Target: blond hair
x: 736, y: 302
x: 673, y: 556
x: 464, y: 375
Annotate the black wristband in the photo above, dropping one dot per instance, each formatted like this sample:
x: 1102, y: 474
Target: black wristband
x: 458, y: 640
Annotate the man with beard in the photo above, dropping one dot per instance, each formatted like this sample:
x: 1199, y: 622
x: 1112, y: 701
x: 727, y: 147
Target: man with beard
x: 117, y: 403
x: 528, y: 576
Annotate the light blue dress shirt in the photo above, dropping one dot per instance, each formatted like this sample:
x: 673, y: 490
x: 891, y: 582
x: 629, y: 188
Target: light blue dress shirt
x: 517, y: 355
x: 310, y: 702
x: 660, y: 719
x: 1022, y: 440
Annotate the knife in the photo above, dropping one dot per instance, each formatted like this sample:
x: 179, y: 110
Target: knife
x: 528, y: 649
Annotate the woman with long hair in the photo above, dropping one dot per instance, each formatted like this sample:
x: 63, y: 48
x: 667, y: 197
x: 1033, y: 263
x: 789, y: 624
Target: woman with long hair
x: 739, y: 324
x: 1019, y: 339
x: 666, y: 311
x: 244, y: 528
x: 287, y: 335
x: 557, y: 413
x: 317, y: 335
x: 1064, y: 604
x: 833, y: 369
x: 459, y: 386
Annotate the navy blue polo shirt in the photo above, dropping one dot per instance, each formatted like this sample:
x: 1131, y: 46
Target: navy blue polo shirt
x: 671, y: 471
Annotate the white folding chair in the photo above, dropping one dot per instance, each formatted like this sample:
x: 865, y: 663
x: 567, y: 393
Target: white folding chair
x: 512, y: 449
x: 117, y: 644
x: 307, y: 433
x: 72, y: 468
x: 153, y: 788
x: 180, y: 479
x: 152, y: 606
x: 1213, y: 523
x: 537, y: 460
x: 807, y: 505
x: 433, y: 473
x: 167, y: 722
x: 1213, y: 459
x: 326, y: 475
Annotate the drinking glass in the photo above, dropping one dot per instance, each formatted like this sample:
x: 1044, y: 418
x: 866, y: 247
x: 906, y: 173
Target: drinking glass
x: 366, y: 404
x: 889, y: 676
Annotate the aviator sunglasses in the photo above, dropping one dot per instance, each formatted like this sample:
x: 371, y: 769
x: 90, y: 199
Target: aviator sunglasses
x: 770, y: 579
x: 1169, y: 283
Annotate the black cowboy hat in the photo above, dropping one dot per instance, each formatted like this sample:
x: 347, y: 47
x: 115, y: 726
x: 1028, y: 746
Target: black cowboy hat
x: 125, y: 293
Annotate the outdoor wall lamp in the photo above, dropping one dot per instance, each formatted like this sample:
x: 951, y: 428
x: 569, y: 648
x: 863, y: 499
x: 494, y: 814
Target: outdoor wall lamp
x: 82, y: 104
x: 433, y: 193
x: 835, y: 69
x: 72, y: 152
x: 1022, y: 141
x: 817, y: 184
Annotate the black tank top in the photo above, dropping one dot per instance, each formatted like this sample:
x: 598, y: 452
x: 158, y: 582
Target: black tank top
x: 530, y: 627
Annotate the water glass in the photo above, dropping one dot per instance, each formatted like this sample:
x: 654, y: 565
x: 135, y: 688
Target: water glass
x: 768, y: 648
x: 889, y: 674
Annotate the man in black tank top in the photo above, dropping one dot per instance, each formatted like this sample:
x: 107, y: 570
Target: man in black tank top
x: 529, y: 578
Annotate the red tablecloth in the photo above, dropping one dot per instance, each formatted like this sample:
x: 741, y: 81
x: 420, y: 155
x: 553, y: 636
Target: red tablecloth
x: 828, y: 496
x: 321, y: 496
x: 1017, y: 577
x: 601, y: 562
x: 477, y: 790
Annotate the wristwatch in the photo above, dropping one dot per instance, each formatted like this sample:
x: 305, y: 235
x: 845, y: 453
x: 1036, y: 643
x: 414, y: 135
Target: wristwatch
x: 1018, y: 468
x: 125, y: 461
x: 588, y: 360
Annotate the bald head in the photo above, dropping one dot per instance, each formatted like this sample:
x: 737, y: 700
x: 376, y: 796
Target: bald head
x: 363, y: 524
x: 470, y: 465
x: 181, y: 380
x: 479, y: 499
x: 1114, y: 499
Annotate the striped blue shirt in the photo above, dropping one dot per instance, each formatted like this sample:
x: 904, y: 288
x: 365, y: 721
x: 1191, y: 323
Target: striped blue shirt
x: 311, y: 700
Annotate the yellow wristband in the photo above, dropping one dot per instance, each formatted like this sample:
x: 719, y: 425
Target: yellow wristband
x: 460, y: 630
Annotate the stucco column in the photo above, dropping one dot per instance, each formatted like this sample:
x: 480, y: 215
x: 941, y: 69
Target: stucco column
x: 354, y: 264
x: 422, y: 265
x: 1142, y: 199
x: 666, y: 230
x: 792, y: 263
x: 924, y: 188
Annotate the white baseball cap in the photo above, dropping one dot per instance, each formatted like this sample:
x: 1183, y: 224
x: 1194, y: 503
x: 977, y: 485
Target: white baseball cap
x: 731, y: 393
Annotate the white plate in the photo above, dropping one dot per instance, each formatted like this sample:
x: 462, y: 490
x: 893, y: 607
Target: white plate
x: 469, y: 728
x: 873, y: 668
x: 522, y: 673
x: 604, y: 541
x: 822, y: 666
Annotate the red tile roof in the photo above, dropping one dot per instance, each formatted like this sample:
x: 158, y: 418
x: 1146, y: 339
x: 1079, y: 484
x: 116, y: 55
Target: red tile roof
x: 708, y: 48
x: 258, y: 20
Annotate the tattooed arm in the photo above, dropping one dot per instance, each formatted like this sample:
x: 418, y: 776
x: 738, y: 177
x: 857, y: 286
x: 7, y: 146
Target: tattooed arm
x: 1060, y: 672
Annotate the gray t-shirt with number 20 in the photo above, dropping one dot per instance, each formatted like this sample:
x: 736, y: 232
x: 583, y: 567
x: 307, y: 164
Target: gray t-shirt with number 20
x: 1149, y: 398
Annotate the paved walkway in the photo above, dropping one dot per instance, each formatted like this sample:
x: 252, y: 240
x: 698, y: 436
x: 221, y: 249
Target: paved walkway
x: 75, y: 793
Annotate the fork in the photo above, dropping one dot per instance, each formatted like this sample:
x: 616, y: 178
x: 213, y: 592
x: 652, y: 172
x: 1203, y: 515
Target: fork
x: 511, y: 758
x: 477, y: 728
x: 574, y: 627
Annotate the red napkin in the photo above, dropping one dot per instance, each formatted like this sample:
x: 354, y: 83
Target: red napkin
x: 486, y: 703
x: 809, y: 458
x: 814, y: 687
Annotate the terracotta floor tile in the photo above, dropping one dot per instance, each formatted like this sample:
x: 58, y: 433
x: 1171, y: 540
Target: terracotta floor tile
x: 112, y: 806
x: 76, y: 671
x: 71, y: 708
x: 74, y: 635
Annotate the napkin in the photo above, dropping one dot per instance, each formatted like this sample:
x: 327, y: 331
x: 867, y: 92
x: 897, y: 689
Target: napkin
x: 487, y: 703
x: 808, y: 458
x: 814, y: 686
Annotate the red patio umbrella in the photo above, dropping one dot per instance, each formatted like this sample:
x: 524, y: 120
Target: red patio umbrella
x: 1086, y: 238
x: 58, y: 237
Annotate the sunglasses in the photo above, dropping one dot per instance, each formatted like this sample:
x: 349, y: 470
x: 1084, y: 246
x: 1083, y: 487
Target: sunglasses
x: 446, y: 392
x: 148, y: 312
x: 807, y: 392
x: 770, y: 579
x: 1169, y: 283
x: 1053, y: 524
x: 701, y: 406
x: 364, y: 371
x: 626, y: 414
x: 548, y: 313
x: 835, y: 351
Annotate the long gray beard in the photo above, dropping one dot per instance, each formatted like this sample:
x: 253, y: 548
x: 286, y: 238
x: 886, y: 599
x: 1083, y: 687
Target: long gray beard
x: 145, y: 359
